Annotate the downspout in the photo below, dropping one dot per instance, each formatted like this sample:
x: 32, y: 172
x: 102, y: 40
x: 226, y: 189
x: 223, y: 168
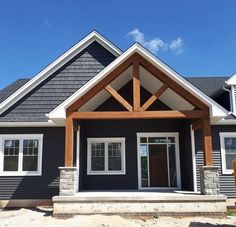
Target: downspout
x: 231, y: 99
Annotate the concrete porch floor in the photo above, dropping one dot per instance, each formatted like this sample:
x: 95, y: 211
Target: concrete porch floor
x: 139, y: 203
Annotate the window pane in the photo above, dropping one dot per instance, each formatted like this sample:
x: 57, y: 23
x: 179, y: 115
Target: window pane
x: 230, y: 145
x: 114, y: 156
x: 157, y: 140
x: 171, y: 139
x: 11, y: 155
x: 30, y: 155
x: 97, y: 156
x: 172, y: 165
x: 144, y: 165
x: 229, y: 160
x: 143, y: 140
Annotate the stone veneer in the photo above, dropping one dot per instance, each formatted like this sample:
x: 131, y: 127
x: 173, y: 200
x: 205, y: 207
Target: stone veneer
x: 68, y: 181
x: 209, y: 180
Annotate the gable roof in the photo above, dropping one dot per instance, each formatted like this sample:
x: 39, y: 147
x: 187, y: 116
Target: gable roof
x: 231, y: 80
x: 55, y: 65
x: 216, y: 110
x: 10, y: 89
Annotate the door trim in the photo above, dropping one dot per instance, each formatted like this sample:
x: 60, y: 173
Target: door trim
x: 159, y: 134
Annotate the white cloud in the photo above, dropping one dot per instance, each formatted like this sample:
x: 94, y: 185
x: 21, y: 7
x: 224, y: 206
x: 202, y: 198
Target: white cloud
x: 48, y: 23
x: 157, y: 44
x: 177, y: 45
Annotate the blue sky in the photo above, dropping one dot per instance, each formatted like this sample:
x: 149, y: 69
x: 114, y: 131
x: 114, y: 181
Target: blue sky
x: 196, y: 38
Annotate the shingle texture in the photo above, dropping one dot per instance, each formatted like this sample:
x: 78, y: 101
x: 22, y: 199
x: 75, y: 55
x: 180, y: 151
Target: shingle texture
x: 73, y: 76
x: 9, y: 90
x: 211, y: 86
x: 58, y: 87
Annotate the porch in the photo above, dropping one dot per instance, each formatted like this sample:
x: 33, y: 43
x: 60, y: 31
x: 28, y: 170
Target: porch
x: 175, y: 203
x: 138, y: 91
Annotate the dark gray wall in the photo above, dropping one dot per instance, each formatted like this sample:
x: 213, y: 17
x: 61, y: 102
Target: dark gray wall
x: 127, y: 129
x: 37, y: 187
x: 227, y: 186
x: 59, y: 86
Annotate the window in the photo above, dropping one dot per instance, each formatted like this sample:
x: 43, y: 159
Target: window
x: 106, y: 156
x: 228, y: 151
x: 20, y: 155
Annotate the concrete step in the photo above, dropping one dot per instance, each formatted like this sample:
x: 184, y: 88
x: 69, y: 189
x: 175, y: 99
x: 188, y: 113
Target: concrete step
x: 139, y: 204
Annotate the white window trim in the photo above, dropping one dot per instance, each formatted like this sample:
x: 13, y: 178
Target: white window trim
x: 21, y: 137
x: 106, y: 171
x: 224, y: 135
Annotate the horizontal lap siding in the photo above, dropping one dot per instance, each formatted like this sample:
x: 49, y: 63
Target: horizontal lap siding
x: 37, y: 187
x: 226, y: 181
x: 60, y: 85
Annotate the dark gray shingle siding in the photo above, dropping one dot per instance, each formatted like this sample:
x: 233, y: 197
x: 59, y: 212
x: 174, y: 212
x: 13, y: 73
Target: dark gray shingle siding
x: 58, y: 87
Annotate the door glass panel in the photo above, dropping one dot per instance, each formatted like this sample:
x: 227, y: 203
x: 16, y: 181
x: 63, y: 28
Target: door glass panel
x: 143, y: 140
x: 172, y: 165
x: 144, y: 165
x: 157, y: 140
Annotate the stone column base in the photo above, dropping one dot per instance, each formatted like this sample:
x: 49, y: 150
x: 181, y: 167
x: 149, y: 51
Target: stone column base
x: 68, y: 181
x: 209, y: 180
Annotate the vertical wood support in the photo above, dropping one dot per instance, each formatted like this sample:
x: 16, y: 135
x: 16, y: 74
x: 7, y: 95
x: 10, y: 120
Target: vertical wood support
x: 207, y: 140
x: 136, y: 86
x: 69, y: 143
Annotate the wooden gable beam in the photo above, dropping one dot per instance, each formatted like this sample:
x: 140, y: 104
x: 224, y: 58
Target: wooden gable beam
x: 172, y: 84
x: 197, y: 124
x: 154, y: 97
x: 163, y: 114
x: 136, y: 85
x: 118, y: 97
x: 99, y: 86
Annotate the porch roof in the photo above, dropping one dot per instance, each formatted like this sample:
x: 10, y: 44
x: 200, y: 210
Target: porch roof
x: 217, y: 112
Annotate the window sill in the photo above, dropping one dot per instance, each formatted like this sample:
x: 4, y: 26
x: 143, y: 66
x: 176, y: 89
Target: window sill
x: 15, y: 174
x: 106, y: 173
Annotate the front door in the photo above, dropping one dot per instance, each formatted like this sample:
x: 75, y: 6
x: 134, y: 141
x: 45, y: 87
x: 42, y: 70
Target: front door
x: 158, y: 160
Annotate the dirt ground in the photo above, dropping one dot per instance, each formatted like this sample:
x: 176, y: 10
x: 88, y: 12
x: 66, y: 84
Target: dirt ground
x: 43, y: 217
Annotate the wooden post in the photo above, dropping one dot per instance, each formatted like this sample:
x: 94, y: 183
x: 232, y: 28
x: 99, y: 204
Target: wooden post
x: 207, y: 140
x: 69, y: 143
x: 234, y: 173
x: 136, y: 86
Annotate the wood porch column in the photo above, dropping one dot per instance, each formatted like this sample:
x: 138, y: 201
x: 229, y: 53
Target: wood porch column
x: 207, y: 140
x: 69, y: 143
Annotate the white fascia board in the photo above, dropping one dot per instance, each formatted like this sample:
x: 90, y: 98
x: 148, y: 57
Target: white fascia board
x: 225, y: 122
x: 30, y: 124
x: 231, y: 80
x: 216, y: 109
x: 58, y: 63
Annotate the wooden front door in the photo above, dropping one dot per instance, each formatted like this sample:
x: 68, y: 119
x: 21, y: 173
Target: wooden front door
x: 158, y: 168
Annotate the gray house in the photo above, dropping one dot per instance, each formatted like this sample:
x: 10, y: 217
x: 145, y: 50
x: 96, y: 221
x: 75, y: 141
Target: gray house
x: 99, y: 119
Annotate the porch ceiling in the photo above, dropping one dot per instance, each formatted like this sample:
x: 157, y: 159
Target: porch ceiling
x: 147, y: 81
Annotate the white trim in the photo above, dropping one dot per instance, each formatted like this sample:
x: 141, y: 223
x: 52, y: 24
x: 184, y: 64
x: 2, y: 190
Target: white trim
x: 30, y: 124
x: 193, y: 159
x: 231, y: 80
x: 78, y: 158
x: 225, y: 122
x: 216, y: 109
x: 21, y: 137
x: 55, y: 65
x: 177, y: 160
x: 106, y: 141
x: 233, y: 98
x: 224, y: 135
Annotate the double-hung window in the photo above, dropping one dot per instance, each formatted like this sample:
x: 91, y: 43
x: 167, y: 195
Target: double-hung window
x: 228, y: 151
x: 106, y: 156
x: 20, y: 154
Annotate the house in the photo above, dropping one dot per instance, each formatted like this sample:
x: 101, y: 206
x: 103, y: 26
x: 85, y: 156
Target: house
x: 99, y: 119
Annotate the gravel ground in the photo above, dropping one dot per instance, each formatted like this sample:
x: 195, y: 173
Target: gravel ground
x: 43, y: 217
